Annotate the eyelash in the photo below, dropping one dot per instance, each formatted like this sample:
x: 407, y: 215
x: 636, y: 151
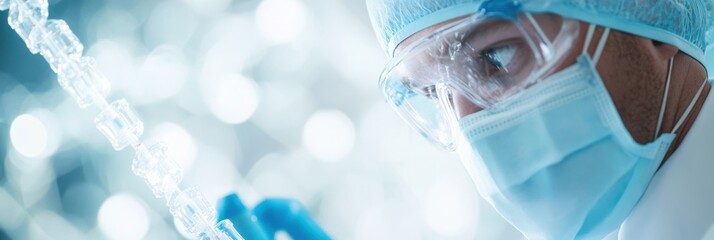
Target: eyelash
x: 487, y: 54
x: 483, y: 60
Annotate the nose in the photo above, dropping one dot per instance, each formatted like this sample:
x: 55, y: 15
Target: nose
x: 464, y: 107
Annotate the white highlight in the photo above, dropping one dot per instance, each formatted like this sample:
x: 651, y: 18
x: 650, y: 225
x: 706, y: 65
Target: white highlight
x: 181, y: 145
x: 164, y: 73
x: 29, y: 135
x: 116, y: 60
x: 280, y: 21
x: 122, y: 216
x: 14, y: 214
x: 231, y: 98
x: 328, y: 135
x: 208, y: 7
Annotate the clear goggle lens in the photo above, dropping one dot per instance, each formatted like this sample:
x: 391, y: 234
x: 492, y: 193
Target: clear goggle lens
x: 471, y: 65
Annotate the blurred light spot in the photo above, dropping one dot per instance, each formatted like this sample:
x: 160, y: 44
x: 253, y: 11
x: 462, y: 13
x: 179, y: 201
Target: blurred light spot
x: 231, y: 98
x: 361, y: 61
x: 208, y: 6
x: 214, y: 164
x: 29, y: 135
x: 122, y: 216
x: 312, y: 175
x: 13, y: 214
x: 30, y: 177
x: 392, y: 140
x: 281, y: 21
x: 116, y: 61
x: 170, y: 22
x: 348, y: 197
x: 282, y: 235
x: 329, y: 135
x: 164, y: 73
x: 75, y: 125
x: 290, y: 60
x: 54, y: 130
x: 448, y: 209
x: 49, y: 225
x: 393, y: 220
x: 180, y: 143
x: 274, y: 183
x: 226, y: 48
x: 293, y: 100
x: 114, y: 22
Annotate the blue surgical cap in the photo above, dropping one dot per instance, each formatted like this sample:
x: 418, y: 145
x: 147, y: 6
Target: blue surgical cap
x: 682, y: 23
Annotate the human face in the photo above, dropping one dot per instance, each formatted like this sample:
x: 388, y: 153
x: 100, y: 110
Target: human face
x: 472, y: 63
x: 633, y: 69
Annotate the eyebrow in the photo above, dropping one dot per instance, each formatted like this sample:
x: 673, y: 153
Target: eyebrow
x: 486, y: 30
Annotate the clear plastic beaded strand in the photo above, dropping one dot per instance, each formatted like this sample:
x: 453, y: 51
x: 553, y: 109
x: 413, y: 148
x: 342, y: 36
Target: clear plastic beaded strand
x: 79, y: 77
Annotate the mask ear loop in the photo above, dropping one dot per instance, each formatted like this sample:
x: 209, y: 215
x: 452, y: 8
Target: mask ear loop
x: 690, y: 108
x: 601, y: 46
x: 664, y: 99
x: 588, y: 39
x: 539, y: 30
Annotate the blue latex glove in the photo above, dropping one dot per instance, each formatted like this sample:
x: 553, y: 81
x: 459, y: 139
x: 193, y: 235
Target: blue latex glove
x: 268, y: 217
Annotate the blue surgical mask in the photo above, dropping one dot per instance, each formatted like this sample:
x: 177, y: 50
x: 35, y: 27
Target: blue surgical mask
x: 557, y: 161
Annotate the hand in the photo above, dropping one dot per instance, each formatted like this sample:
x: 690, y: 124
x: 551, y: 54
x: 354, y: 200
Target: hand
x: 268, y: 217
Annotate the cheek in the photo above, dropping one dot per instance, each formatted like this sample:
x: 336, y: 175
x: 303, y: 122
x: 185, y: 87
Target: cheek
x: 464, y: 106
x: 628, y: 72
x: 634, y: 79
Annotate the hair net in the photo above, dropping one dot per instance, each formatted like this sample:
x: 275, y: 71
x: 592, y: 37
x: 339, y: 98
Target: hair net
x: 682, y: 23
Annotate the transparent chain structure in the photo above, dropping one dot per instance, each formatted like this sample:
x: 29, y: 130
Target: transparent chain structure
x: 81, y: 79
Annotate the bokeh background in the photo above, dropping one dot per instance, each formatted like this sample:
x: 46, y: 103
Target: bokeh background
x: 271, y: 98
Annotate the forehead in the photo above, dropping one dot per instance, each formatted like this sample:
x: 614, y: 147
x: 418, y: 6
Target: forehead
x: 422, y: 34
x: 545, y: 19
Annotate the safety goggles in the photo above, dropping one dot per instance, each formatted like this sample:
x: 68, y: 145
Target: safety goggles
x: 479, y: 61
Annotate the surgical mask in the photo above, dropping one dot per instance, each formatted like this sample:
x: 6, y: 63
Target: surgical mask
x: 556, y: 160
x: 487, y: 57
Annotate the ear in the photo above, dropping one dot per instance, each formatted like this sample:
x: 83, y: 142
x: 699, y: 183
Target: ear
x: 665, y: 51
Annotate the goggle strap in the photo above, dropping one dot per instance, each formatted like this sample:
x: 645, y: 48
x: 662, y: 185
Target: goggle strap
x: 690, y: 108
x: 601, y: 46
x: 664, y: 99
x: 588, y: 39
x: 538, y: 29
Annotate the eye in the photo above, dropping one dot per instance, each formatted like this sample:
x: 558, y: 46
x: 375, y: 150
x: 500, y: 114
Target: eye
x: 498, y: 59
